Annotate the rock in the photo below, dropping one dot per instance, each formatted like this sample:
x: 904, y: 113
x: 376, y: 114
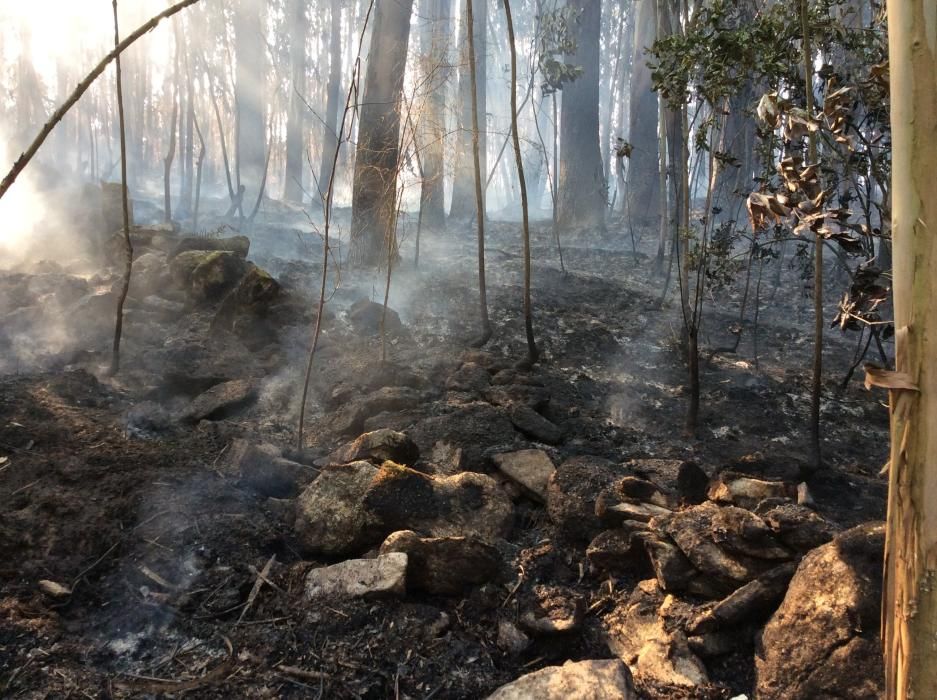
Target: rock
x: 673, y: 570
x: 330, y: 514
x: 253, y: 296
x: 531, y: 469
x: 618, y: 550
x: 714, y: 644
x: 378, y: 446
x: 444, y: 565
x: 351, y: 417
x: 469, y: 377
x: 636, y: 490
x: 471, y: 428
x: 359, y: 578
x: 574, y: 680
x: 365, y: 317
x: 736, y: 489
x: 262, y: 469
x: 824, y: 639
x: 239, y: 245
x: 537, y: 397
x: 688, y: 478
x: 54, y: 590
x: 221, y: 401
x: 572, y: 492
x: 798, y: 527
x: 216, y: 275
x: 553, y: 610
x: 150, y: 273
x: 463, y: 505
x: 656, y: 656
x: 615, y: 513
x: 531, y: 423
x: 750, y: 604
x: 730, y: 545
x: 511, y: 638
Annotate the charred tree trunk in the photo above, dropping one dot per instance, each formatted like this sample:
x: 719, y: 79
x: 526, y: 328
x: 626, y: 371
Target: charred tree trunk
x: 462, y: 186
x: 374, y: 199
x: 582, y: 188
x: 642, y: 168
x: 329, y: 134
x: 295, y: 125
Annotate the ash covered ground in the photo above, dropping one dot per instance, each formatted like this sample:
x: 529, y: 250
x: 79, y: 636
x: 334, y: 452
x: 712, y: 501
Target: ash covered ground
x: 453, y: 521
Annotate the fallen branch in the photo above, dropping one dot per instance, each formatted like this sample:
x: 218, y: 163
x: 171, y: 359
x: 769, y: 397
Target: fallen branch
x: 82, y: 88
x: 262, y: 577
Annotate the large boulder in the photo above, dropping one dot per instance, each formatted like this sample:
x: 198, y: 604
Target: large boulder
x: 330, y: 514
x: 207, y: 276
x: 365, y: 317
x: 263, y: 469
x: 824, y: 642
x: 572, y: 493
x: 470, y: 429
x: 378, y: 446
x: 606, y: 679
x: 444, y: 565
x: 658, y: 657
x: 221, y: 401
x: 350, y: 418
x: 463, y: 505
x: 239, y: 245
x: 531, y: 423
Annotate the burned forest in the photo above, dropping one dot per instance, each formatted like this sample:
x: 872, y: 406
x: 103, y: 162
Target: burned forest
x: 457, y: 349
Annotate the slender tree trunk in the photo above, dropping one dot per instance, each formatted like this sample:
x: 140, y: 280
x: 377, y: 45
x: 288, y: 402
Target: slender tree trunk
x: 167, y: 162
x: 461, y: 208
x: 476, y: 161
x: 909, y: 608
x: 250, y: 55
x: 128, y: 243
x: 532, y: 352
x: 435, y: 55
x: 642, y: 183
x: 329, y: 135
x: 295, y: 125
x: 374, y: 200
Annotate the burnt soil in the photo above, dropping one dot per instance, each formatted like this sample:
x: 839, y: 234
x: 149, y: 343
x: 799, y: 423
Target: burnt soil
x: 161, y: 550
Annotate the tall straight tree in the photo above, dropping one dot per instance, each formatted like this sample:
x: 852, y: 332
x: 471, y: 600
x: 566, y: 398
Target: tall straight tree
x: 374, y: 198
x: 435, y: 58
x: 330, y: 125
x: 250, y: 56
x: 463, y: 185
x: 295, y: 121
x: 582, y: 191
x: 910, y: 596
x: 643, y: 165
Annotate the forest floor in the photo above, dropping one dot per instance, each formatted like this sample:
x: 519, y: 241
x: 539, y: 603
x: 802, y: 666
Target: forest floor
x: 178, y: 574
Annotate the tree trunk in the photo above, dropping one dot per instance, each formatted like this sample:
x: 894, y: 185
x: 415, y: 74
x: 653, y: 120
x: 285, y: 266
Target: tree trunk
x: 374, y: 199
x: 251, y: 70
x: 295, y: 124
x: 329, y: 129
x: 462, y: 208
x: 582, y: 188
x: 910, y: 597
x: 435, y: 55
x: 642, y: 168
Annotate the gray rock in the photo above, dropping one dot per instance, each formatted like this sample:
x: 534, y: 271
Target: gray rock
x: 221, y: 401
x: 531, y: 423
x: 462, y: 505
x: 471, y: 428
x: 656, y: 656
x: 444, y: 565
x: 618, y: 550
x: 750, y: 604
x: 239, y: 245
x: 469, y: 377
x: 365, y: 317
x: 714, y: 644
x: 574, y: 680
x: 572, y: 493
x: 552, y: 610
x: 689, y: 480
x: 262, y: 469
x: 207, y: 276
x: 330, y: 514
x: 511, y: 638
x: 824, y: 642
x: 378, y: 446
x: 351, y: 417
x: 359, y: 578
x: 798, y: 527
x: 739, y: 490
x: 673, y: 570
x: 531, y: 469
